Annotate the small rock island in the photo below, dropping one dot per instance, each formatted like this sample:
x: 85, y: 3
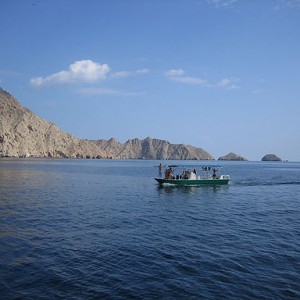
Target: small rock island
x: 271, y: 157
x: 232, y: 156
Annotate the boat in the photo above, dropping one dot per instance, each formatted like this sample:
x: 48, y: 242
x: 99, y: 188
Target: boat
x: 191, y: 175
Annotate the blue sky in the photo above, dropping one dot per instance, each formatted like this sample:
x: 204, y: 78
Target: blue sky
x: 223, y: 75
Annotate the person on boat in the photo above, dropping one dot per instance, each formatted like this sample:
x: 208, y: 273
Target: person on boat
x: 214, y: 173
x: 168, y: 173
x: 194, y: 171
x: 185, y: 175
x: 159, y: 170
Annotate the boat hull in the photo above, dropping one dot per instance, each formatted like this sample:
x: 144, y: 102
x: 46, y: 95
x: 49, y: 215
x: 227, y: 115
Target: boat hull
x: 192, y: 181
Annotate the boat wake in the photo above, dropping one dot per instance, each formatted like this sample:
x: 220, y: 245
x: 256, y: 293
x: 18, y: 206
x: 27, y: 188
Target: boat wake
x: 247, y: 183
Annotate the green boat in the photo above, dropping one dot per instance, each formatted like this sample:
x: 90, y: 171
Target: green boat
x: 191, y: 175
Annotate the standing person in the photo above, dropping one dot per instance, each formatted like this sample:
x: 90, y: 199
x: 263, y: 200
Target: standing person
x: 160, y: 169
x: 214, y: 173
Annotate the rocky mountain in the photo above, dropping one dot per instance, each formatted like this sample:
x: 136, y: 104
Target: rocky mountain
x: 24, y: 134
x: 271, y: 157
x: 232, y: 156
x: 150, y: 148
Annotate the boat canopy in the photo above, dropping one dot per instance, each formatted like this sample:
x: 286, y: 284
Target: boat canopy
x: 203, y: 167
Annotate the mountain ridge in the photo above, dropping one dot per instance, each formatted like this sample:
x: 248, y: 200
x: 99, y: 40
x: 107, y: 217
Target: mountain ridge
x: 24, y: 134
x: 152, y: 148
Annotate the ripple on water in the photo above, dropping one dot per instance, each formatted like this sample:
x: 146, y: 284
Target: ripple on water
x: 85, y: 229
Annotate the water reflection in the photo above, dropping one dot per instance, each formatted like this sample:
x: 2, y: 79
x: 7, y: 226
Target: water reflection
x: 21, y: 180
x: 170, y: 189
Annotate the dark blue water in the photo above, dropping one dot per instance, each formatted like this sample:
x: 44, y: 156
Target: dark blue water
x: 94, y: 229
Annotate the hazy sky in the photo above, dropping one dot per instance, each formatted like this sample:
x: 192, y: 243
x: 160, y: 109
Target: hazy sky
x: 223, y: 75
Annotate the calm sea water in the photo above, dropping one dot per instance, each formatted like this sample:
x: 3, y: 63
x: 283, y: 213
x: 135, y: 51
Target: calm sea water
x: 97, y: 229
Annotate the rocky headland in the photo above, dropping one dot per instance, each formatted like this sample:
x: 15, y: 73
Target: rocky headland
x: 24, y: 134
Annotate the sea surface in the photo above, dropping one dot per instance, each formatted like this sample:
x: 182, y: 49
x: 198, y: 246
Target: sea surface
x: 104, y: 229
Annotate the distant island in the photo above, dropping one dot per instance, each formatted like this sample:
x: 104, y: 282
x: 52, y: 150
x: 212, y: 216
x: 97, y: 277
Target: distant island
x: 271, y: 157
x: 232, y: 156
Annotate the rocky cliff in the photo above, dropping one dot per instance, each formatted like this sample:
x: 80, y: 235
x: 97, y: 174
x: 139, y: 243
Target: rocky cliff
x: 24, y: 134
